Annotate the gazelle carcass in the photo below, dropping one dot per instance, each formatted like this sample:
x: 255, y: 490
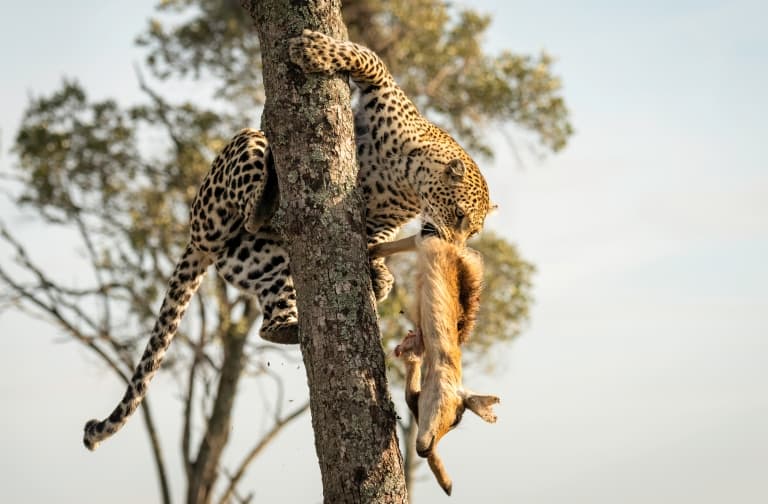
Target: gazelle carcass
x: 449, y: 279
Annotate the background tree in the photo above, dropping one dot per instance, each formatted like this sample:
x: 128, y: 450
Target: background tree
x: 433, y: 48
x: 80, y: 166
x: 121, y: 179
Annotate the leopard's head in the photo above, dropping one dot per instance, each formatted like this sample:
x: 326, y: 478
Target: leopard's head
x: 455, y: 199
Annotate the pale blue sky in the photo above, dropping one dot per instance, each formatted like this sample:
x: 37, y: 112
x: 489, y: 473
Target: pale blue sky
x: 642, y: 377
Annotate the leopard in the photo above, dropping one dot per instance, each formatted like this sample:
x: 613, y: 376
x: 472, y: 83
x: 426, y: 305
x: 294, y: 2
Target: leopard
x: 407, y: 167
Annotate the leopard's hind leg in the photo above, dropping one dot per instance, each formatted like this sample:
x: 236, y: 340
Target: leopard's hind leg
x: 258, y: 264
x: 242, y: 182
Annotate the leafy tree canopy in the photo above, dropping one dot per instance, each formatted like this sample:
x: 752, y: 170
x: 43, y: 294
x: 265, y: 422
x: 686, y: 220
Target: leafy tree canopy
x: 122, y: 178
x: 433, y: 48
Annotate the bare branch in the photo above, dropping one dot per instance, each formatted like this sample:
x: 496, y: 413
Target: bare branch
x: 45, y: 284
x: 512, y: 146
x: 157, y: 452
x: 52, y: 312
x: 191, y: 378
x: 90, y: 247
x: 162, y: 107
x: 262, y: 443
x: 50, y: 306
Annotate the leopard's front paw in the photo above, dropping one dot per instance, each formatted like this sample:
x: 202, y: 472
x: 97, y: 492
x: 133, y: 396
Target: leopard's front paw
x: 312, y: 51
x: 382, y: 280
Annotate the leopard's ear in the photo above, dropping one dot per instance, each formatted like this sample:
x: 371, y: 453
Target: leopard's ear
x: 455, y: 169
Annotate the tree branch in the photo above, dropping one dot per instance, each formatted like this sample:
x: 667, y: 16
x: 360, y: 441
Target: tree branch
x: 90, y: 247
x: 49, y: 308
x: 157, y: 452
x: 257, y: 449
x: 162, y: 109
x: 191, y: 378
x: 204, y: 468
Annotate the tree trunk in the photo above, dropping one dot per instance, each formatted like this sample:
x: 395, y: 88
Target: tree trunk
x: 204, y: 471
x: 308, y: 121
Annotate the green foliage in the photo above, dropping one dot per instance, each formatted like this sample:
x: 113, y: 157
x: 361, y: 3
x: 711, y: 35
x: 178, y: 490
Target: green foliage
x: 506, y: 294
x: 433, y: 48
x: 207, y: 38
x: 122, y: 178
x: 77, y: 155
x: 129, y: 174
x: 91, y: 163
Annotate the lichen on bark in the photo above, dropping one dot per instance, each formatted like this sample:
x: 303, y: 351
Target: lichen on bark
x: 308, y: 121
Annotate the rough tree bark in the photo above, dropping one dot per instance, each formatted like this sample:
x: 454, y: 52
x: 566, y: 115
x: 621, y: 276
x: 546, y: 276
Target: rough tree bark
x: 308, y: 121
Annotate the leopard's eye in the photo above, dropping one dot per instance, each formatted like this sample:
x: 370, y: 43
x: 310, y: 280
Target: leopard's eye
x: 460, y: 213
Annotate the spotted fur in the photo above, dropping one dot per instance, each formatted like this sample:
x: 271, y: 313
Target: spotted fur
x: 229, y: 227
x: 408, y: 167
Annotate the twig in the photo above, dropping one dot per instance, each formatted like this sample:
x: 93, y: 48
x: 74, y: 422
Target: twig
x: 162, y: 108
x: 198, y: 352
x: 263, y: 442
x: 51, y: 307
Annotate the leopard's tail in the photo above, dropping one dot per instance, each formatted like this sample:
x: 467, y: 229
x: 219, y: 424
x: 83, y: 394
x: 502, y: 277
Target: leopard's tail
x: 184, y: 283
